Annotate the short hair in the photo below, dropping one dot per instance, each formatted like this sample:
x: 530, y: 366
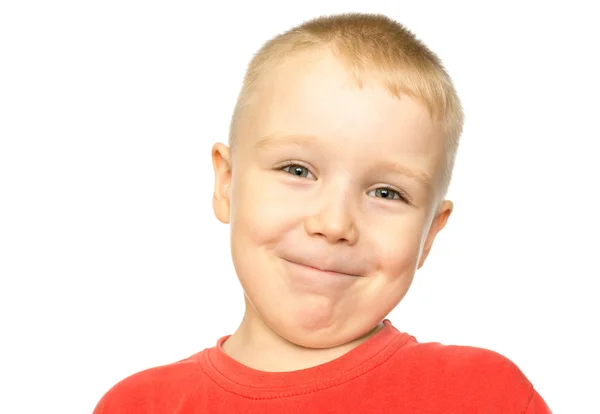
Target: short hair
x: 370, y: 46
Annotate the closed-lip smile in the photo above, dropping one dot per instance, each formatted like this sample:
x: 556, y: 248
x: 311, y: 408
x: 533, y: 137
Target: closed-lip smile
x: 317, y: 269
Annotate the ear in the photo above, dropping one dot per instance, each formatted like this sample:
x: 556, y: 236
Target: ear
x: 439, y: 222
x: 221, y: 160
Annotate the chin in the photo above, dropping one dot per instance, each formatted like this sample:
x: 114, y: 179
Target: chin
x: 313, y: 339
x: 320, y: 334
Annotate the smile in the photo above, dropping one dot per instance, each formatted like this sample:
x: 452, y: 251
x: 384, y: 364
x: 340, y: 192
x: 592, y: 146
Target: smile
x: 317, y: 271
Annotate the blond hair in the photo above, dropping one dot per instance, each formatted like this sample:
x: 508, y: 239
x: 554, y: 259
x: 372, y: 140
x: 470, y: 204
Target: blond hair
x: 374, y: 46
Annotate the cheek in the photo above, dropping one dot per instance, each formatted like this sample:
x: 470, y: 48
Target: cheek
x: 261, y: 213
x: 399, y: 252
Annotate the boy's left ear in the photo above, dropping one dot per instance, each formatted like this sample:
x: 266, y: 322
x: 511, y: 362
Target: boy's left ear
x: 439, y: 222
x: 221, y: 159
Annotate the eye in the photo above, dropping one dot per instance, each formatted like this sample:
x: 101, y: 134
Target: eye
x: 387, y: 193
x: 296, y: 170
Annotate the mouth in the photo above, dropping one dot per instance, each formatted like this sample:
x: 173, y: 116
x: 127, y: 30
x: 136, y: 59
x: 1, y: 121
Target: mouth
x: 320, y: 271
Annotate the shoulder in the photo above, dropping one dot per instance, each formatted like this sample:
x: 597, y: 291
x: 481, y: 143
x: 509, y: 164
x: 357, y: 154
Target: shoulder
x: 461, y: 356
x: 151, y: 390
x: 468, y: 363
x: 477, y: 376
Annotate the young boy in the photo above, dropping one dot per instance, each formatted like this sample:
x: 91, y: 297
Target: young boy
x: 341, y: 150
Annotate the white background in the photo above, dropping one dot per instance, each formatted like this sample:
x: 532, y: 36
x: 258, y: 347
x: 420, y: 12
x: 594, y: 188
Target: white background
x: 111, y: 260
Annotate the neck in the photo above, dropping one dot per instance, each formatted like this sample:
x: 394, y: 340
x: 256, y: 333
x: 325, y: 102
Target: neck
x: 257, y: 346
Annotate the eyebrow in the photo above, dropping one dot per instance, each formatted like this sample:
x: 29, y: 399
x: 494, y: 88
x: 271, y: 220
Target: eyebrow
x: 421, y: 177
x: 273, y: 141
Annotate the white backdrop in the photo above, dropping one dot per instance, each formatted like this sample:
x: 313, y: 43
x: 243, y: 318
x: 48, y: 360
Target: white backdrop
x: 111, y: 260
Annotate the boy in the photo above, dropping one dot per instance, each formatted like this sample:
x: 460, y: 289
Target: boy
x: 341, y: 150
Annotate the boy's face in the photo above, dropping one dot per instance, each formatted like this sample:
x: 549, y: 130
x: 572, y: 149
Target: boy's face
x: 330, y: 201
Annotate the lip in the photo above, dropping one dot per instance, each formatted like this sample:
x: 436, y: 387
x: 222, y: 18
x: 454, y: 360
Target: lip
x: 322, y: 272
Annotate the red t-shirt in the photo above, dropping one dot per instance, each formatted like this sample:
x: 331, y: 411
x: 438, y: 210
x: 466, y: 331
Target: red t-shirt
x: 389, y: 373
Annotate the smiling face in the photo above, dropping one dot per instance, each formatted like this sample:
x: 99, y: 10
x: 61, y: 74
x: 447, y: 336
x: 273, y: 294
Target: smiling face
x: 329, y: 193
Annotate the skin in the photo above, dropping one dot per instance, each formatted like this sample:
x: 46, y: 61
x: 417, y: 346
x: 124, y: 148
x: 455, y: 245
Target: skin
x: 330, y: 196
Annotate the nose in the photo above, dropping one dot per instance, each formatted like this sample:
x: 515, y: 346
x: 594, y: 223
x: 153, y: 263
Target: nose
x: 334, y: 222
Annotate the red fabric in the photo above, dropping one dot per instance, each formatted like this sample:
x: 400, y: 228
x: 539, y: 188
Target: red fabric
x: 389, y: 373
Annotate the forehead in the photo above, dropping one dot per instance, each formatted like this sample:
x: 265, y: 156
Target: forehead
x: 315, y: 95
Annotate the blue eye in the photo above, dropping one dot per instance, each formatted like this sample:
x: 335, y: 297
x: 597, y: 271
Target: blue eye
x: 386, y: 193
x: 296, y: 170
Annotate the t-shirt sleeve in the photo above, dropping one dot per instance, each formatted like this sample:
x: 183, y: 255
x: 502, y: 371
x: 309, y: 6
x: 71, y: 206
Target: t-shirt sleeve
x: 109, y: 404
x: 129, y: 396
x: 537, y: 405
x: 99, y: 409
